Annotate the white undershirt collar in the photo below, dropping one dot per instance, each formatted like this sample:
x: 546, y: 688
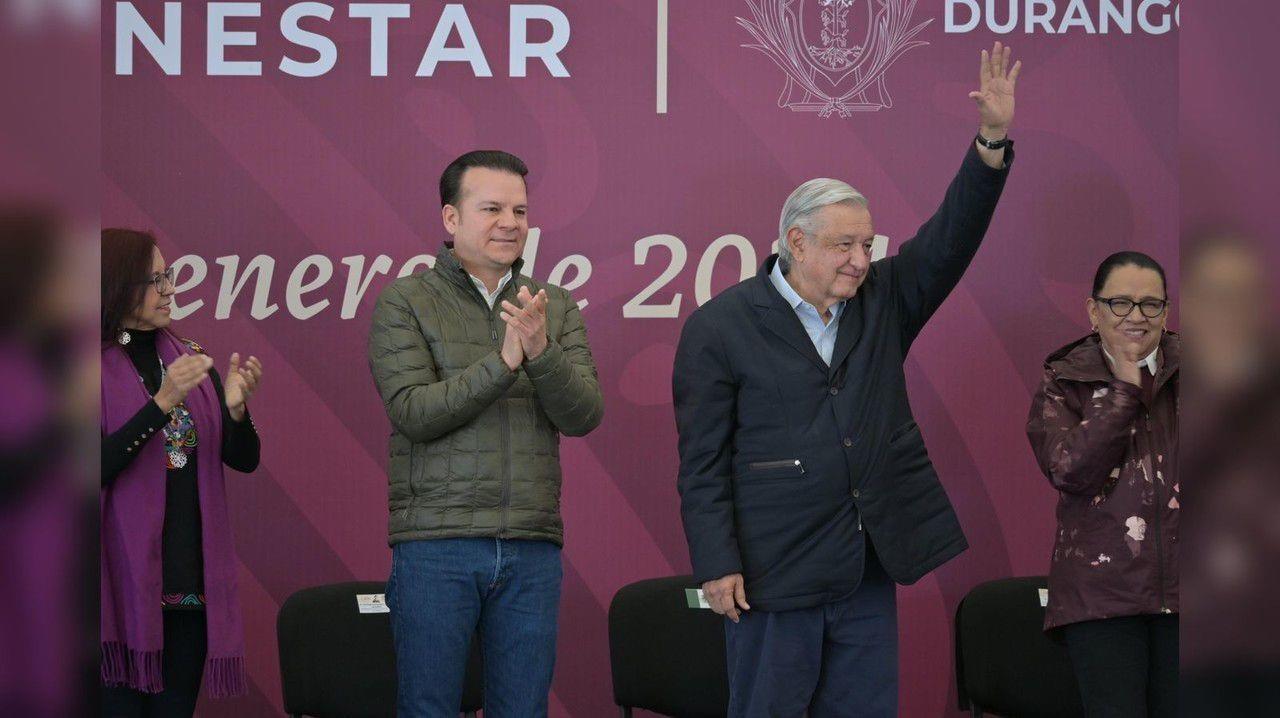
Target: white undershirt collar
x: 1149, y: 361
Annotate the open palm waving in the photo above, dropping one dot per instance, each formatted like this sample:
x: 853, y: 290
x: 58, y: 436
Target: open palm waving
x: 995, y: 91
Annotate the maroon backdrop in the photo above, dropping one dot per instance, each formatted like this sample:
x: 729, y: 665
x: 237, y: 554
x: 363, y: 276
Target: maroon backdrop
x: 326, y: 186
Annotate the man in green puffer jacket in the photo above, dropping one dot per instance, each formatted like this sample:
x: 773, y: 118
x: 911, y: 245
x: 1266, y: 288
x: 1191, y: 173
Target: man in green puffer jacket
x: 480, y: 370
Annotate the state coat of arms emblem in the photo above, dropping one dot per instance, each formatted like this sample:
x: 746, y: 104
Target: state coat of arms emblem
x: 835, y: 53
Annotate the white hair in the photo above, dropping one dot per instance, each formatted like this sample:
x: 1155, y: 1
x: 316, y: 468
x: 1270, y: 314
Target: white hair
x: 806, y: 200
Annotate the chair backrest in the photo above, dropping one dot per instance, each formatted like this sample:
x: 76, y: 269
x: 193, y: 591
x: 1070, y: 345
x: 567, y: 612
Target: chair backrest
x: 667, y: 657
x: 336, y: 661
x: 1005, y: 664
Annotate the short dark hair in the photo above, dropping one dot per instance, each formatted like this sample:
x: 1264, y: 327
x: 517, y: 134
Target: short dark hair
x: 126, y: 267
x: 451, y: 180
x: 1127, y: 259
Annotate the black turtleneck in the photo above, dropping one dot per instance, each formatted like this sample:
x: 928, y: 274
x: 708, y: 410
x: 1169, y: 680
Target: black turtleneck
x: 180, y: 544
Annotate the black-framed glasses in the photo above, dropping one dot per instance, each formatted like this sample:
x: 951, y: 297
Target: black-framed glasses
x: 1122, y: 307
x: 160, y: 279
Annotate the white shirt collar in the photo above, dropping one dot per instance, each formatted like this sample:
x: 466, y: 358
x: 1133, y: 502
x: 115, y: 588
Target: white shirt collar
x: 491, y: 297
x: 789, y: 293
x: 1149, y: 361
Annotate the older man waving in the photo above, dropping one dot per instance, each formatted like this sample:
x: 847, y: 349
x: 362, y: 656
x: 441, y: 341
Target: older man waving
x: 806, y: 490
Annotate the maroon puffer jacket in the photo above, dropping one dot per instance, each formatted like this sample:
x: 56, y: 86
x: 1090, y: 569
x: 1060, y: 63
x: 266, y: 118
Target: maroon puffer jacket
x: 1111, y: 450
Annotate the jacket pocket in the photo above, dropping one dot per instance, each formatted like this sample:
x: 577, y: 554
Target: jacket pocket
x: 906, y: 510
x: 902, y: 431
x: 781, y: 469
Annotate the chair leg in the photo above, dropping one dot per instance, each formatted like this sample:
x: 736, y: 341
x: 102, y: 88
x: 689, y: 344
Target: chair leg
x: 975, y: 711
x: 626, y: 712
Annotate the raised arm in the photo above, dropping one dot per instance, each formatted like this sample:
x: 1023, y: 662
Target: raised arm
x: 931, y: 263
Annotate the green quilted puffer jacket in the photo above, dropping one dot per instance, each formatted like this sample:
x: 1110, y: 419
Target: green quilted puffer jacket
x: 475, y: 447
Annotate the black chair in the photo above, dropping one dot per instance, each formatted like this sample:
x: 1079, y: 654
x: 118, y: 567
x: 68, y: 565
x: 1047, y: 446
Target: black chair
x: 666, y: 657
x: 336, y: 662
x: 1005, y: 664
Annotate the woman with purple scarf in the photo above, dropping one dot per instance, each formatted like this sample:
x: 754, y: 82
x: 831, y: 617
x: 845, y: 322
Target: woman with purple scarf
x: 170, y: 612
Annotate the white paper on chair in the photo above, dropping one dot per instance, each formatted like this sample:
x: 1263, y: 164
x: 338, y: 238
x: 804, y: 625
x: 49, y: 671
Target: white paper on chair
x: 372, y: 603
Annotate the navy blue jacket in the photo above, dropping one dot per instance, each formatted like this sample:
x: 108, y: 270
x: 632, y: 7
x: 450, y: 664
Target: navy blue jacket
x: 784, y: 461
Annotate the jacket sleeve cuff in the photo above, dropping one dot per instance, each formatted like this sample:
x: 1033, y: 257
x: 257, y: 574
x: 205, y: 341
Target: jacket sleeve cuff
x: 1123, y: 387
x: 973, y: 163
x: 712, y: 570
x: 498, y: 370
x: 243, y: 427
x: 152, y: 416
x: 546, y: 362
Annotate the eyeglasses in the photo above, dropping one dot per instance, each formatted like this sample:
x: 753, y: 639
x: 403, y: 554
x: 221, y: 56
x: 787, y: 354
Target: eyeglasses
x: 1121, y: 307
x: 160, y: 279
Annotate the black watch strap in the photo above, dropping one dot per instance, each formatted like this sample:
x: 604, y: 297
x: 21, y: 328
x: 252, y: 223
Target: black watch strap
x: 994, y: 144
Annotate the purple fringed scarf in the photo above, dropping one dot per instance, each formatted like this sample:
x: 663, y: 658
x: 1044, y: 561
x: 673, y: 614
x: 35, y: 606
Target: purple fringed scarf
x: 132, y: 521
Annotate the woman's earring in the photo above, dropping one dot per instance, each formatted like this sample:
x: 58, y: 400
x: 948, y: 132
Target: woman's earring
x: 124, y: 338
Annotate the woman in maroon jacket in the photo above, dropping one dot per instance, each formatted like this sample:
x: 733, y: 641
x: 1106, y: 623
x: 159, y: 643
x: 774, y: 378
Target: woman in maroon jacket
x: 1104, y: 428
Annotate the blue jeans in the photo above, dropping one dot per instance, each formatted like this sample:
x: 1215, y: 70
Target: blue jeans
x: 440, y: 590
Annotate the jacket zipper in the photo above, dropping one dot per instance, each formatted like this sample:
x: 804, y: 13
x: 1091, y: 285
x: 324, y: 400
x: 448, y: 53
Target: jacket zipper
x: 785, y: 463
x: 505, y: 442
x: 505, y: 434
x: 1159, y: 509
x: 506, y: 469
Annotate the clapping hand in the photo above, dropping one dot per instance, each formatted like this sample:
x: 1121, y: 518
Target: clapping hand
x: 1124, y: 365
x: 528, y: 322
x: 180, y: 377
x: 242, y: 380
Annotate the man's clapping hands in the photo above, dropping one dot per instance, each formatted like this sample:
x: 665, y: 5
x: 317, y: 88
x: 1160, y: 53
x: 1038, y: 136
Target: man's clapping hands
x: 526, y: 336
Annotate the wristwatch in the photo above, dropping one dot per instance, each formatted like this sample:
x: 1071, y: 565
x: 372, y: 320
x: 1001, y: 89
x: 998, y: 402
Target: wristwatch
x: 994, y: 144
